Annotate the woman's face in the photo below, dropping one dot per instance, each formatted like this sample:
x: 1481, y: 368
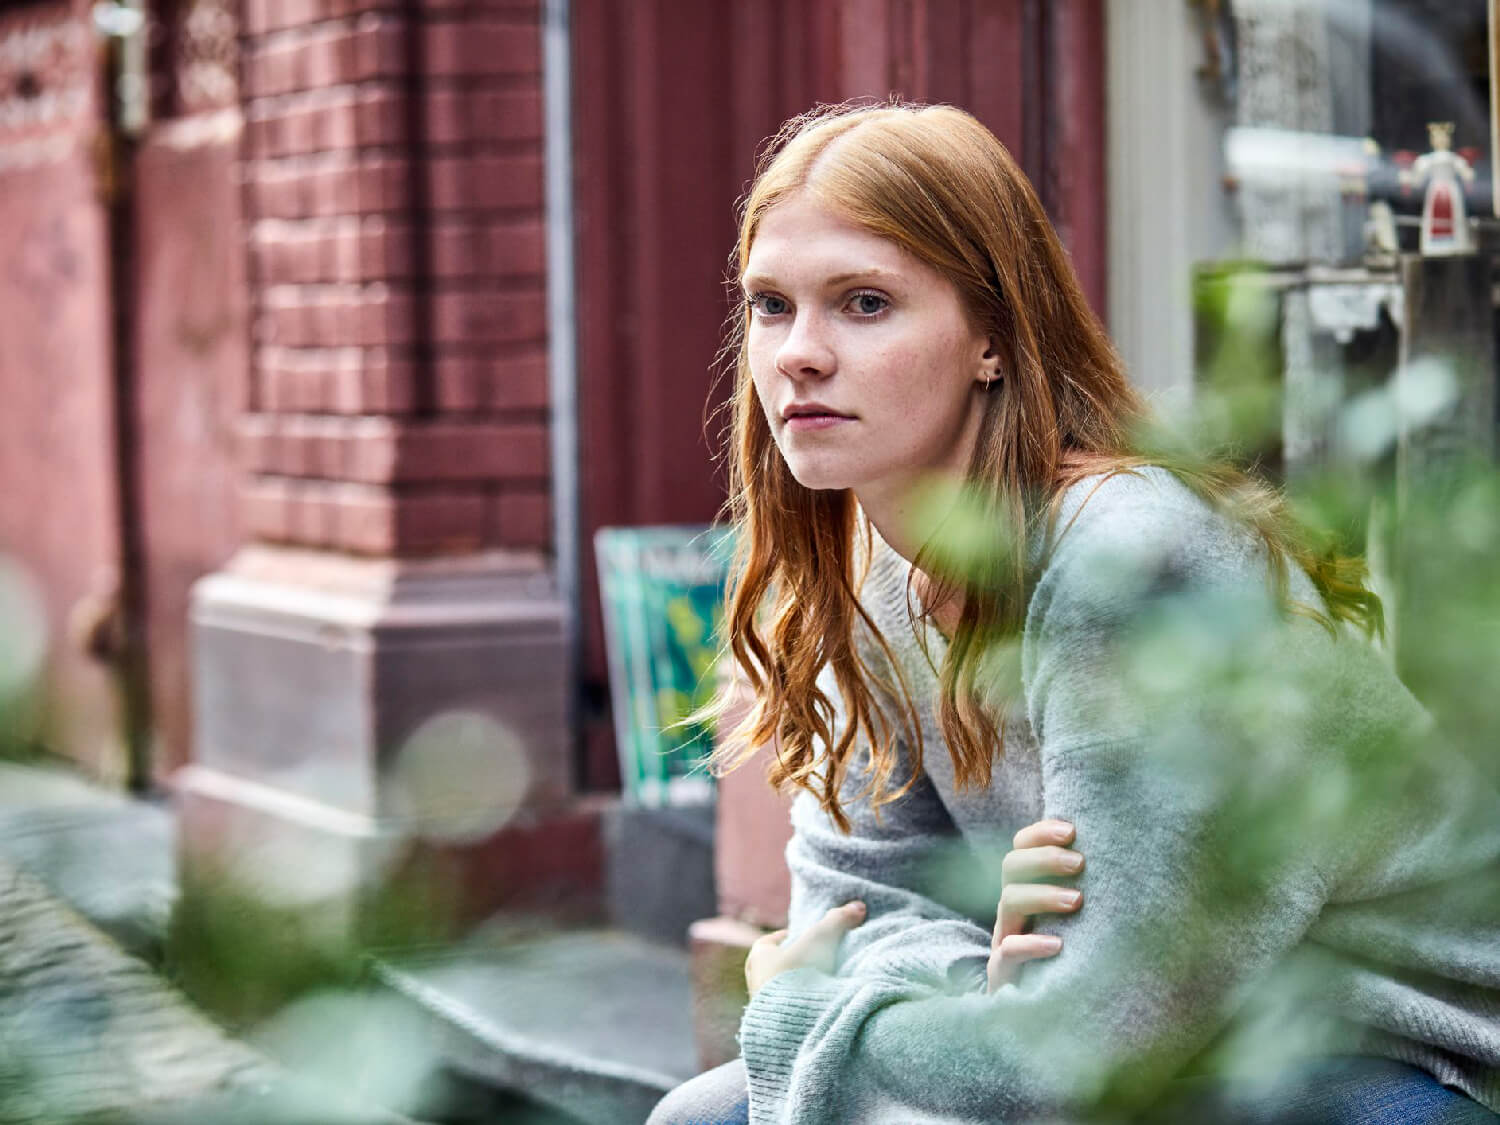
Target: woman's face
x: 869, y: 372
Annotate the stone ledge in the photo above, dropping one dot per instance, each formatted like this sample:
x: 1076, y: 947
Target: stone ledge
x: 596, y: 1024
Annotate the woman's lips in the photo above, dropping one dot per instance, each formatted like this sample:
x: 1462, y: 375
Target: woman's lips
x: 804, y: 422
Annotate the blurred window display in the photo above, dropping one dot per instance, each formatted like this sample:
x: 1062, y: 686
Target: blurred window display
x: 1286, y: 136
x: 1354, y: 132
x: 1332, y: 103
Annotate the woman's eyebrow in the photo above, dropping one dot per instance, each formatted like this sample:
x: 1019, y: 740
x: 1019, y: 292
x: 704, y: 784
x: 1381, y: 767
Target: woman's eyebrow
x: 755, y: 280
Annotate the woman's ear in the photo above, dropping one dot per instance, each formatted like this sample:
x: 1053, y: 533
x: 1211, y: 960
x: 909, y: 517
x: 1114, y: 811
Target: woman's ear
x: 989, y: 364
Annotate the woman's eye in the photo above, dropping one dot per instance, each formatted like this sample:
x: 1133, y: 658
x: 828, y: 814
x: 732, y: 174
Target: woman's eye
x: 768, y: 304
x: 868, y: 304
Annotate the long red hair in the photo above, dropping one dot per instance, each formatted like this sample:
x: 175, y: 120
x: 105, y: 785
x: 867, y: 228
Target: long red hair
x: 939, y: 184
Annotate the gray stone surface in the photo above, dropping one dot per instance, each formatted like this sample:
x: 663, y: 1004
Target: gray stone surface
x: 88, y: 1029
x: 312, y: 676
x: 659, y: 872
x: 106, y: 855
x: 596, y: 1024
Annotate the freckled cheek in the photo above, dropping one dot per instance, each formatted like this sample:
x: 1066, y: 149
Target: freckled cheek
x: 760, y: 350
x: 899, y: 374
x: 762, y: 373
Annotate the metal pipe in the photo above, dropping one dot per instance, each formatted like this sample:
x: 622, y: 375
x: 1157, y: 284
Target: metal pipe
x: 562, y: 361
x: 122, y: 44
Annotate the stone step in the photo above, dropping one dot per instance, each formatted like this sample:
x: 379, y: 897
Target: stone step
x: 595, y: 1024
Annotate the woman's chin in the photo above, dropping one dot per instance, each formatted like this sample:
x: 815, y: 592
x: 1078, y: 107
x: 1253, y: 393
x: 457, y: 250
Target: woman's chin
x: 819, y: 478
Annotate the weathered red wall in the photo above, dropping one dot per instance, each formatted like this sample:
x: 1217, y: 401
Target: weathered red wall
x: 58, y: 515
x: 192, y: 356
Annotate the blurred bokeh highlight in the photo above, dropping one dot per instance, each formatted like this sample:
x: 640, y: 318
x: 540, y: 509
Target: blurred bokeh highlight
x: 336, y: 775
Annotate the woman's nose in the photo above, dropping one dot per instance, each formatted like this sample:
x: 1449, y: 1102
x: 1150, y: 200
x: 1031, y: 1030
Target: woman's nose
x: 805, y: 353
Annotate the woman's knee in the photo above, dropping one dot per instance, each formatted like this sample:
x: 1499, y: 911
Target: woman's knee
x: 716, y: 1097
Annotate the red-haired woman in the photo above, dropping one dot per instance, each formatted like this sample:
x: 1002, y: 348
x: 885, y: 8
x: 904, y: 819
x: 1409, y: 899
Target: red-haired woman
x: 990, y: 637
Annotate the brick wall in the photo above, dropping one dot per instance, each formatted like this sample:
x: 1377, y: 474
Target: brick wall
x: 393, y: 180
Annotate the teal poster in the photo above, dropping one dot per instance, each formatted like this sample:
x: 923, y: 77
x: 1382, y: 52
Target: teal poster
x: 662, y: 592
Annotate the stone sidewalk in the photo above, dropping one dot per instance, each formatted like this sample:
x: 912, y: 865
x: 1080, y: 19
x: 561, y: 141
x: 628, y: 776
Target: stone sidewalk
x: 522, y: 1025
x: 90, y: 1030
x: 90, y: 1033
x: 107, y: 855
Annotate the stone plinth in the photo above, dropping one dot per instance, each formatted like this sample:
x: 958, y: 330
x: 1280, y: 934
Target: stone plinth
x: 382, y: 756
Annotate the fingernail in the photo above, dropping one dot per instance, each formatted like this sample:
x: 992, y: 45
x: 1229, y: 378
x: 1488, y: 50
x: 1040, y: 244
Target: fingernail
x: 1070, y: 898
x: 857, y: 907
x: 1052, y: 943
x: 1072, y: 861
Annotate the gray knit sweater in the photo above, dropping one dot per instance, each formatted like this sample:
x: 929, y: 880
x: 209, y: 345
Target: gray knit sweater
x: 1282, y: 857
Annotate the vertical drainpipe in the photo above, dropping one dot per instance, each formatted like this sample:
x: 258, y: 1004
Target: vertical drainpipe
x: 120, y: 28
x: 562, y: 361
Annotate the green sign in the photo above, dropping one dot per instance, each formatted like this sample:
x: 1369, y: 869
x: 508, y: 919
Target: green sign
x: 662, y: 592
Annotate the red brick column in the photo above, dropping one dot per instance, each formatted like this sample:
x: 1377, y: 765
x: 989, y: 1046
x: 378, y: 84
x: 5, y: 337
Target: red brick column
x: 394, y: 195
x: 380, y: 677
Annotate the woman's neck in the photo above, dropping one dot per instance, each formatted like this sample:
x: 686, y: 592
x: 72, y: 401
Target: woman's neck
x: 898, y: 519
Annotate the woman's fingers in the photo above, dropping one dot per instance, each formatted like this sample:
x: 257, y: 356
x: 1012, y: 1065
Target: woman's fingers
x: 775, y: 937
x: 819, y: 941
x: 1027, y: 864
x: 1019, y: 901
x: 1043, y: 832
x: 1041, y: 851
x: 1009, y: 955
x: 763, y: 960
x: 817, y: 946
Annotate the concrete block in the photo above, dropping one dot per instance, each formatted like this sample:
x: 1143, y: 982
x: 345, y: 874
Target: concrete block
x: 753, y: 829
x: 313, y: 674
x: 660, y: 869
x: 382, y: 759
x: 594, y: 1024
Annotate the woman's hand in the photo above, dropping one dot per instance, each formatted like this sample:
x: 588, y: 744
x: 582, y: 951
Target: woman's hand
x: 816, y: 947
x: 1040, y: 850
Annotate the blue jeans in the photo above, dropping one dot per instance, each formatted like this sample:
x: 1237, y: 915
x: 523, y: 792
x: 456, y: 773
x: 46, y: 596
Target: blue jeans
x: 1331, y: 1091
x: 1339, y: 1091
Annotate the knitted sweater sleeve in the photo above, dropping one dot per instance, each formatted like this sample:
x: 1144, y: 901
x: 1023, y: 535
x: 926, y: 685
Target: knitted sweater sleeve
x: 1227, y: 770
x: 892, y: 859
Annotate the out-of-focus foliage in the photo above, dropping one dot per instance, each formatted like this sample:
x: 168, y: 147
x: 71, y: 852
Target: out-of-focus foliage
x: 23, y: 654
x: 1254, y: 715
x: 275, y: 941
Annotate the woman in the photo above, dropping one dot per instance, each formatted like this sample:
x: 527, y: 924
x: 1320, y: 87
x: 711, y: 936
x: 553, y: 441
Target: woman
x: 1273, y: 876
